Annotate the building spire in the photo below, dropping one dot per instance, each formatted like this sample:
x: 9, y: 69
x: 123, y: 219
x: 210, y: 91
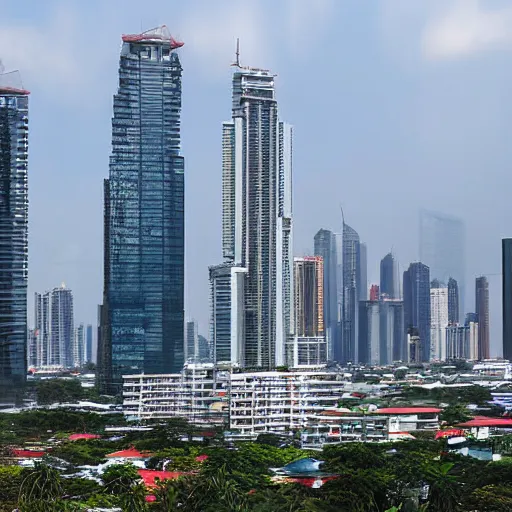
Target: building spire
x: 237, y: 54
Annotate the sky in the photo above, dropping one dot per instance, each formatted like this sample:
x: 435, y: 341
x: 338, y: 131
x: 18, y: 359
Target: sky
x: 397, y: 105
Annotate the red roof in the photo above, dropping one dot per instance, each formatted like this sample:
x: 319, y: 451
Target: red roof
x: 483, y: 421
x: 408, y: 410
x: 28, y: 454
x: 13, y: 90
x: 131, y: 453
x: 451, y: 432
x: 149, y: 476
x: 76, y: 437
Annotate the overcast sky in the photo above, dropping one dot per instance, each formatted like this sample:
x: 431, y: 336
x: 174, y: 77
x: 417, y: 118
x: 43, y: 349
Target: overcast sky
x: 396, y: 104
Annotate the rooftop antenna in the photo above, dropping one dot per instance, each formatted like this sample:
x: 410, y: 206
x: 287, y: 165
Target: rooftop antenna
x: 237, y: 54
x: 342, y: 215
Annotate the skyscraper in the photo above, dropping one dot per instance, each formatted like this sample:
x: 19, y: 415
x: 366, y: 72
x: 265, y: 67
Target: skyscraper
x: 442, y: 248
x: 374, y: 292
x: 227, y: 313
x: 308, y: 346
x: 453, y: 301
x: 416, y: 289
x: 13, y: 232
x: 78, y: 352
x: 369, y: 350
x: 389, y: 279
x: 506, y: 261
x: 191, y: 341
x: 438, y: 321
x: 482, y: 311
x: 142, y: 313
x: 257, y: 214
x: 54, y: 328
x: 351, y: 294
x: 392, y: 331
x: 88, y: 344
x: 363, y: 272
x: 325, y: 246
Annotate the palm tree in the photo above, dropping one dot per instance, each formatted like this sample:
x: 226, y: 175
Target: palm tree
x: 42, y: 484
x: 444, y: 493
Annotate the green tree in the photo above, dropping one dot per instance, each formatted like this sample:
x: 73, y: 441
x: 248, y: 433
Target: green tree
x: 445, y: 490
x: 454, y: 414
x: 120, y: 478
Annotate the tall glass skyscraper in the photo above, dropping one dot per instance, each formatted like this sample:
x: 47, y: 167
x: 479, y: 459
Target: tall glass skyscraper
x: 389, y: 280
x: 482, y: 311
x: 325, y: 246
x: 13, y: 232
x: 351, y: 295
x: 442, y: 248
x: 142, y: 314
x: 453, y: 301
x: 257, y: 217
x: 506, y: 246
x: 416, y: 289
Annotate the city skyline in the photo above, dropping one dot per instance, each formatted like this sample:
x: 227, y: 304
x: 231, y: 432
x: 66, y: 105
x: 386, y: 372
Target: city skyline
x: 71, y: 259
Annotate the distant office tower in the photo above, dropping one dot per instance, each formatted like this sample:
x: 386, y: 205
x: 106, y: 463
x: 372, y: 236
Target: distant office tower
x: 257, y: 215
x: 389, y: 278
x: 32, y: 349
x: 13, y: 232
x: 369, y: 332
x: 78, y: 351
x: 204, y: 349
x: 462, y: 341
x: 482, y: 311
x: 392, y: 331
x: 54, y: 328
x: 227, y: 313
x: 442, y: 248
x: 506, y: 261
x: 191, y: 341
x: 416, y: 290
x: 308, y: 346
x: 88, y: 345
x: 453, y: 301
x: 142, y: 314
x: 351, y: 294
x: 438, y: 322
x: 374, y: 292
x: 414, y: 349
x: 363, y: 272
x: 325, y: 246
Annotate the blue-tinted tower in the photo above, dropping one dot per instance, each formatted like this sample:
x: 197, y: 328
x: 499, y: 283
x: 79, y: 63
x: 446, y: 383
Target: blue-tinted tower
x: 13, y: 232
x: 142, y: 313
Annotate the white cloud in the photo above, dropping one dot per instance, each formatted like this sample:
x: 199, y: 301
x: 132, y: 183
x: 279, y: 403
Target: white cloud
x: 466, y: 28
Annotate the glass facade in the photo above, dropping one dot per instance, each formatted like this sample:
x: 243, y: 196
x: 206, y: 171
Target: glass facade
x: 482, y: 312
x: 351, y: 294
x: 142, y: 315
x: 417, y: 306
x: 506, y: 245
x: 13, y: 232
x: 389, y: 281
x: 453, y: 301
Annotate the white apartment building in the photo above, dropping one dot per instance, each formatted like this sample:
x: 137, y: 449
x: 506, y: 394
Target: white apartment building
x: 438, y: 323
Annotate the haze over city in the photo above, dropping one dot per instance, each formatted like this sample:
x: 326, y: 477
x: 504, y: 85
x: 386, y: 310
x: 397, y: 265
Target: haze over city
x: 396, y: 106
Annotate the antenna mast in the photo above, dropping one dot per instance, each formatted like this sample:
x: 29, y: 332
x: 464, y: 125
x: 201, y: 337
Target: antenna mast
x: 237, y: 54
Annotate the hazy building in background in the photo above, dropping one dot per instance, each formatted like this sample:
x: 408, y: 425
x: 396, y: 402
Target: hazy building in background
x: 438, y: 320
x: 31, y: 349
x: 369, y: 350
x: 389, y: 277
x: 351, y: 294
x: 414, y: 350
x: 363, y: 271
x: 54, y: 328
x: 462, y: 341
x: 442, y: 248
x: 374, y: 292
x: 191, y: 341
x: 89, y: 345
x: 205, y: 354
x: 416, y: 289
x: 325, y: 246
x: 13, y: 232
x: 482, y: 311
x: 78, y: 351
x: 453, y: 301
x: 142, y: 315
x: 257, y: 215
x: 392, y: 331
x: 308, y: 346
x: 227, y: 313
x: 506, y: 261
